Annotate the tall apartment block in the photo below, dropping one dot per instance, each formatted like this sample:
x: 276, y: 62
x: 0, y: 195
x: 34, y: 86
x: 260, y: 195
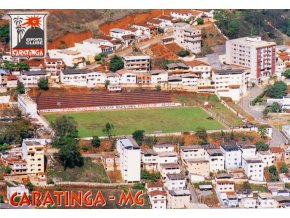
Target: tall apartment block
x: 130, y: 159
x: 252, y: 53
x: 188, y: 37
x: 33, y: 154
x: 137, y: 63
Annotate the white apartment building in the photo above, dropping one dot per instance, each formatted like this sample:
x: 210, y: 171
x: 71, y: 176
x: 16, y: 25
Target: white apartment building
x: 169, y: 169
x: 253, y: 53
x: 157, y: 199
x: 159, y: 76
x: 216, y: 160
x: 248, y: 202
x: 188, y: 37
x: 230, y: 83
x: 53, y: 67
x: 154, y: 186
x: 137, y: 63
x: 248, y: 151
x: 130, y: 159
x: 33, y: 154
x: 254, y: 169
x: 178, y: 199
x: 113, y: 78
x: 192, y: 152
x: 127, y: 76
x: 31, y: 77
x: 225, y: 185
x: 232, y: 155
x: 189, y: 79
x: 197, y: 167
x: 175, y: 181
x: 119, y: 33
x: 266, y: 200
x: 267, y: 158
x: 79, y: 77
x: 163, y: 148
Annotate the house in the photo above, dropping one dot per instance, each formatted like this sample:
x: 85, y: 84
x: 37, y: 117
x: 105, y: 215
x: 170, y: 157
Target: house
x: 175, y: 181
x: 248, y: 150
x: 119, y: 33
x: 130, y: 159
x: 159, y: 76
x: 109, y: 160
x: 253, y: 53
x: 157, y: 199
x: 216, y: 160
x: 70, y: 56
x: 266, y: 200
x: 254, y: 169
x: 167, y: 158
x: 248, y: 202
x: 11, y: 81
x: 287, y: 154
x: 113, y: 78
x: 189, y: 79
x: 231, y: 83
x: 285, y: 177
x: 198, y: 166
x: 168, y: 40
x: 232, y: 155
x: 149, y: 159
x: 143, y: 78
x: 31, y: 77
x: 175, y: 80
x: 80, y: 77
x: 127, y: 76
x: 154, y: 187
x: 209, y: 13
x: 267, y: 157
x: 185, y: 14
x: 146, y: 30
x: 282, y: 202
x: 53, y: 68
x: 224, y: 185
x: 137, y: 63
x: 169, y: 169
x: 163, y: 148
x: 228, y: 199
x: 178, y: 199
x: 280, y: 193
x: 177, y: 68
x: 166, y: 21
x: 20, y: 190
x: 200, y: 68
x: 17, y: 166
x: 154, y: 22
x: 187, y: 36
x: 192, y: 152
x: 33, y: 154
x: 278, y: 153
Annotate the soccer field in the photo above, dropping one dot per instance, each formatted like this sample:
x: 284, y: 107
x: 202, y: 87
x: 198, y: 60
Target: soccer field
x: 126, y: 122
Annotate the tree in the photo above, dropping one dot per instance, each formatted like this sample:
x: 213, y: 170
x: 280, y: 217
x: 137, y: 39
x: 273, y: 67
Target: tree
x: 274, y: 173
x: 275, y: 107
x: 262, y: 129
x: 160, y: 30
x: 7, y: 170
x: 98, y: 57
x: 284, y: 168
x: 70, y: 156
x: 65, y: 126
x: 200, y: 21
x: 116, y: 63
x: 1, y: 198
x: 278, y: 90
x: 265, y: 112
x: 183, y: 53
x: 201, y: 133
x: 262, y: 146
x: 287, y: 74
x: 138, y: 135
x: 4, y: 33
x: 158, y: 88
x: 43, y: 83
x: 96, y: 142
x: 109, y: 127
x: 20, y: 87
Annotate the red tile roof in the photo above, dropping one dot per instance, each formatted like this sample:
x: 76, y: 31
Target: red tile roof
x: 157, y: 192
x: 276, y: 149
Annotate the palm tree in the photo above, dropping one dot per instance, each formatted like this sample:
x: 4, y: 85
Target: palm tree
x: 20, y: 30
x: 18, y: 20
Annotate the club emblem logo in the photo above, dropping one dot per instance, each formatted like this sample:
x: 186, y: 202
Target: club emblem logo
x: 28, y: 34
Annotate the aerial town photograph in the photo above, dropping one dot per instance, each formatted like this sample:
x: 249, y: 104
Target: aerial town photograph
x: 145, y: 109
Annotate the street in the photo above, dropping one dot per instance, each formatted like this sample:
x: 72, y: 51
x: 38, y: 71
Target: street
x: 278, y: 138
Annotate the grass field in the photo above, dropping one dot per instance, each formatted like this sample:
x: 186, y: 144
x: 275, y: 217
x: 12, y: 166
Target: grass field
x: 89, y: 172
x: 150, y: 120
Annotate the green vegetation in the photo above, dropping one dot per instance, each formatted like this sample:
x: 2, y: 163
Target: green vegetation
x: 139, y: 135
x: 126, y: 122
x: 200, y: 21
x: 1, y: 198
x: 160, y: 30
x: 278, y: 90
x: 89, y: 172
x: 152, y: 177
x: 253, y: 187
x: 43, y: 83
x: 262, y: 131
x: 4, y: 33
x: 116, y: 63
x: 273, y: 173
x: 284, y: 168
x: 262, y: 146
x: 196, y: 185
x: 287, y: 74
x: 275, y: 107
x: 201, y: 133
x: 183, y: 53
x: 96, y: 142
x: 14, y: 66
x: 20, y: 87
x: 139, y: 186
x: 287, y: 185
x: 108, y: 129
x: 65, y: 126
x: 258, y: 99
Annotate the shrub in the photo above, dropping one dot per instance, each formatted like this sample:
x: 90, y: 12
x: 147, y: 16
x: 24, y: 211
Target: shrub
x: 200, y: 21
x: 183, y: 53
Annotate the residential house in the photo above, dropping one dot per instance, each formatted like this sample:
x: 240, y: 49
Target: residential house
x: 200, y: 68
x: 192, y: 152
x: 149, y: 159
x: 266, y: 200
x: 248, y: 150
x: 200, y: 167
x: 267, y: 157
x: 278, y: 153
x: 31, y: 77
x: 248, y: 202
x: 163, y: 148
x: 175, y: 181
x: 167, y: 157
x: 169, y: 169
x: 17, y: 166
x: 143, y: 78
x: 178, y: 199
x: 53, y: 68
x: 254, y: 169
x: 287, y: 154
x: 137, y: 63
x: 228, y: 199
x: 127, y: 76
x: 157, y: 199
x: 216, y: 160
x: 159, y: 76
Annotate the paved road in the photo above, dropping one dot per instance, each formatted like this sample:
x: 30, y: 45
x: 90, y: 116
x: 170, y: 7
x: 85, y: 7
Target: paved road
x: 278, y: 138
